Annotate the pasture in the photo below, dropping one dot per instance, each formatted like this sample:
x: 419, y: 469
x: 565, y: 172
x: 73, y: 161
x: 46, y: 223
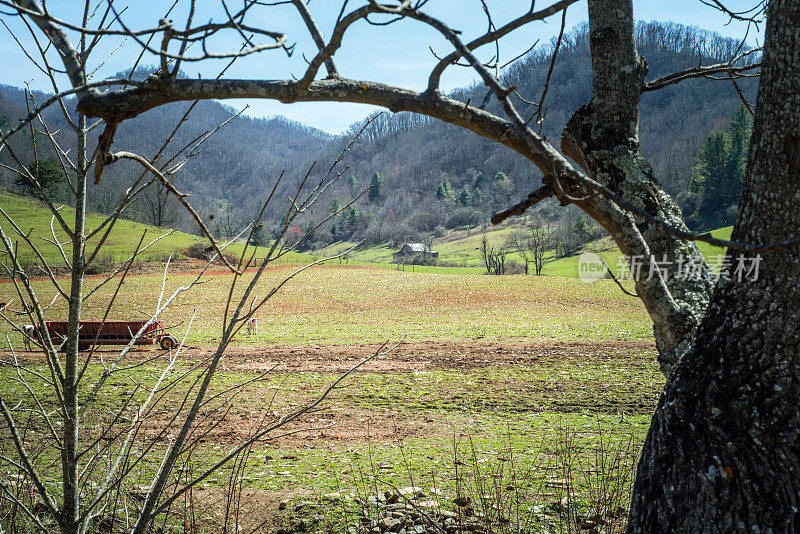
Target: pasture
x: 354, y: 304
x: 543, y: 385
x: 460, y: 250
x: 35, y: 220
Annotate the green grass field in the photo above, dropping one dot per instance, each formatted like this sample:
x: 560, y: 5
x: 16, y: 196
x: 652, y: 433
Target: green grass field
x: 30, y: 215
x: 459, y: 251
x: 347, y: 303
x: 463, y: 252
x: 34, y: 219
x: 558, y: 375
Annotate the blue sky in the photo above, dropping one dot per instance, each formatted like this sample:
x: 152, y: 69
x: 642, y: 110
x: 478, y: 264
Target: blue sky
x: 397, y: 54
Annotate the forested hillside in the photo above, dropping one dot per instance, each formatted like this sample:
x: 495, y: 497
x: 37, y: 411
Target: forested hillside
x: 418, y: 156
x: 226, y: 175
x: 427, y: 176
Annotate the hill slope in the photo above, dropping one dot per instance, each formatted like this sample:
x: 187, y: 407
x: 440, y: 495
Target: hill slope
x: 235, y: 168
x: 34, y: 218
x: 417, y: 154
x: 459, y: 251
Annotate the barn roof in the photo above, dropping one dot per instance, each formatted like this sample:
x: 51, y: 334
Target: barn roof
x: 417, y: 247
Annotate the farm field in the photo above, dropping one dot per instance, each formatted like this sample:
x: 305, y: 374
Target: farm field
x: 461, y: 249
x: 351, y: 303
x: 34, y: 219
x: 544, y: 385
x: 541, y: 384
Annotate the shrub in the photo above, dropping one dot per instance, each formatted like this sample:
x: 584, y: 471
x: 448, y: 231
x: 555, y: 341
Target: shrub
x: 425, y: 219
x: 198, y: 251
x: 293, y: 236
x: 201, y: 251
x: 514, y: 267
x: 464, y: 217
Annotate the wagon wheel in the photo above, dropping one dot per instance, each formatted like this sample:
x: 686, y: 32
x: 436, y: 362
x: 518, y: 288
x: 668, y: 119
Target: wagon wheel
x: 168, y: 342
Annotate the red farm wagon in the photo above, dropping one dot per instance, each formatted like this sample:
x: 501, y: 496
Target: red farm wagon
x: 113, y: 333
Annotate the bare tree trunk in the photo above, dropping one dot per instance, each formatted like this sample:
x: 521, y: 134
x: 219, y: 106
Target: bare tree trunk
x: 603, y: 137
x: 723, y: 452
x: 70, y: 513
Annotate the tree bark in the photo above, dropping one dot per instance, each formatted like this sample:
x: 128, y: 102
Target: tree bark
x: 723, y: 451
x: 69, y: 520
x: 603, y: 138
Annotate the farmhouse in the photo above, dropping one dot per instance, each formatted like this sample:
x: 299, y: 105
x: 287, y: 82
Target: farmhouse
x: 414, y: 253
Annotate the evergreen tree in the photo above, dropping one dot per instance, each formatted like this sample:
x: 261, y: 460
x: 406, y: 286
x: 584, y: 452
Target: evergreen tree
x: 464, y: 197
x: 718, y: 175
x: 346, y: 225
x: 740, y: 132
x: 351, y: 214
x: 352, y: 181
x: 477, y: 196
x: 478, y: 180
x: 47, y: 172
x: 348, y: 222
x: 375, y: 187
x: 260, y: 237
x: 335, y: 205
x: 499, y: 176
x: 581, y: 229
x: 444, y: 191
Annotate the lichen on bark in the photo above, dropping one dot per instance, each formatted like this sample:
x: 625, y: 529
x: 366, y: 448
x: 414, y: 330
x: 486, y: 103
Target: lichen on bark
x: 616, y: 160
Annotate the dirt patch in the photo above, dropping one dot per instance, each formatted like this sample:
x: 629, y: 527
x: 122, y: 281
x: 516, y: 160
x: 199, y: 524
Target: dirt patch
x: 390, y: 406
x: 421, y: 356
x: 328, y: 430
x: 366, y: 411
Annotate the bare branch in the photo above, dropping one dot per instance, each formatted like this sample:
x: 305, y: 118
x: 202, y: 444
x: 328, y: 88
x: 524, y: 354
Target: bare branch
x: 729, y: 67
x: 492, y: 36
x: 540, y: 111
x: 754, y: 14
x: 534, y: 198
x: 746, y: 104
x: 181, y: 198
x: 313, y: 29
x: 30, y: 470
